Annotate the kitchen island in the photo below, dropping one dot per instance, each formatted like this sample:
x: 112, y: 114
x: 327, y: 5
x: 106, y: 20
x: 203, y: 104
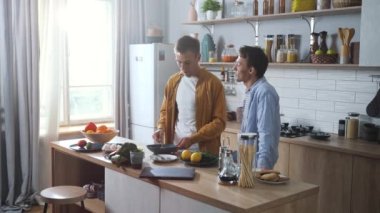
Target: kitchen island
x: 346, y: 170
x: 126, y: 192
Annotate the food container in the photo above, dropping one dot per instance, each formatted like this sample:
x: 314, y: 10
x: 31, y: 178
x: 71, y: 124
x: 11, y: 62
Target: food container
x: 352, y: 125
x: 229, y: 54
x: 346, y: 3
x: 247, y: 156
x: 324, y: 59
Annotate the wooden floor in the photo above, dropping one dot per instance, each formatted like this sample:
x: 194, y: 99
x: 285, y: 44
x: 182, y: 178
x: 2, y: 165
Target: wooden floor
x: 39, y: 209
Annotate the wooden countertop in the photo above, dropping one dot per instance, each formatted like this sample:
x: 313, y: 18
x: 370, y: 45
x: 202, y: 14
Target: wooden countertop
x: 205, y: 187
x: 336, y: 143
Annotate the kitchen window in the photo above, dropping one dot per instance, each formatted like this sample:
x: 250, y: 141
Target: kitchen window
x: 87, y: 91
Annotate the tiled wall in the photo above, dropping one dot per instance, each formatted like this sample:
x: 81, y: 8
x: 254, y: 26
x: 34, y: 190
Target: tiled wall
x: 318, y: 97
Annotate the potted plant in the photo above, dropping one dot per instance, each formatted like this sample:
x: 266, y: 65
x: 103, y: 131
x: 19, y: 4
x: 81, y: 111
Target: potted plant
x: 211, y: 7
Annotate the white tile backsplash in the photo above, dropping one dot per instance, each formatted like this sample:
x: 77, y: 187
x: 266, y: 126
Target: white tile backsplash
x: 364, y: 98
x: 296, y: 93
x: 281, y: 82
x: 329, y: 116
x: 317, y: 105
x: 356, y: 86
x: 350, y: 107
x: 324, y: 95
x: 317, y: 84
x: 318, y: 97
x: 337, y: 74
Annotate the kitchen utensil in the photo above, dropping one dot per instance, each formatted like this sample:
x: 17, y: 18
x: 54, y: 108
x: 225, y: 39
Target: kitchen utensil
x: 319, y: 135
x: 345, y: 35
x: 162, y: 148
x: 169, y: 173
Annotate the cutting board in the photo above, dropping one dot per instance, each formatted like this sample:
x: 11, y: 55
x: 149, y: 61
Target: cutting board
x: 172, y: 173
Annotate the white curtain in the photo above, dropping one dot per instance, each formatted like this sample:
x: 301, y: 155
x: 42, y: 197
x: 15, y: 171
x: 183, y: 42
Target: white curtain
x: 52, y: 64
x: 131, y: 26
x: 19, y: 55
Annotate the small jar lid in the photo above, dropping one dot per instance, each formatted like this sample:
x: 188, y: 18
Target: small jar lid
x: 353, y: 114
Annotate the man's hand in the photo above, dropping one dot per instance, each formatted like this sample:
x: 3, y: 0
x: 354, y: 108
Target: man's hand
x: 158, y: 136
x: 184, y: 143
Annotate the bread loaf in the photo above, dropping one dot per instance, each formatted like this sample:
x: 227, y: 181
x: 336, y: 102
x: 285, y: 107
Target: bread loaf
x: 273, y: 176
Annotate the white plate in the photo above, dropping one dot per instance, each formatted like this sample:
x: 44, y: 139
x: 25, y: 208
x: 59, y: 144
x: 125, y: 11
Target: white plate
x: 283, y: 179
x: 163, y: 158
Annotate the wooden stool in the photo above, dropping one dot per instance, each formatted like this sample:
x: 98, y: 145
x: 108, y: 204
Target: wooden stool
x: 63, y: 195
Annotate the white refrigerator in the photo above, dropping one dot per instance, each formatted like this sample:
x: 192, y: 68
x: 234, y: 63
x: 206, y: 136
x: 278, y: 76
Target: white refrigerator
x: 151, y: 65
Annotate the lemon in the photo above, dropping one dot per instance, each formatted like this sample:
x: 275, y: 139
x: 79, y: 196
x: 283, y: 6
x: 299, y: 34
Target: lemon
x: 186, y: 154
x: 318, y: 52
x: 196, y: 157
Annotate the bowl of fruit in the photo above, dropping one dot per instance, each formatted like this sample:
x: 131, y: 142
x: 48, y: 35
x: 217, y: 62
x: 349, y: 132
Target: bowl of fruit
x: 99, y: 134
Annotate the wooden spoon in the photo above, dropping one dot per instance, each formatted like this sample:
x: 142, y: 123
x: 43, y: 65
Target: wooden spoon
x: 341, y: 36
x: 351, y: 33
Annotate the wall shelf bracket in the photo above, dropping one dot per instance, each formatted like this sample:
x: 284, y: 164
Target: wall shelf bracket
x: 209, y: 29
x: 255, y: 27
x: 376, y: 78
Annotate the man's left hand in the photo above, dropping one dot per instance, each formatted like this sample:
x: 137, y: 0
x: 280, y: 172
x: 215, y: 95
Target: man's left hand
x: 184, y: 143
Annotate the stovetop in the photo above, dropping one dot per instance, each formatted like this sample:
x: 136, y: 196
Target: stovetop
x: 295, y: 131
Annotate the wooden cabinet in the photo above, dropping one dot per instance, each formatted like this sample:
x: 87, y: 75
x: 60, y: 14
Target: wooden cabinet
x: 332, y: 171
x: 282, y: 164
x: 127, y: 194
x: 365, y: 195
x: 369, y: 34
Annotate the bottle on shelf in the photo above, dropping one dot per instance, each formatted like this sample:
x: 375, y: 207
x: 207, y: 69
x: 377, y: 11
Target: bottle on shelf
x: 323, y: 44
x: 314, y: 43
x: 271, y: 7
x: 268, y: 43
x: 265, y: 7
x: 281, y: 6
x: 255, y: 7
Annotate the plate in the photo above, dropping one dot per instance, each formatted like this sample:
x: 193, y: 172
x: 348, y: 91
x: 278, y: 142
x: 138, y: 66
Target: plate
x: 319, y: 135
x: 96, y: 147
x: 163, y: 158
x: 283, y: 180
x: 209, y: 162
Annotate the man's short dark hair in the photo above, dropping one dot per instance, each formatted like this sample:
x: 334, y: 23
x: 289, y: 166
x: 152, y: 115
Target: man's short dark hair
x: 256, y: 58
x: 187, y: 43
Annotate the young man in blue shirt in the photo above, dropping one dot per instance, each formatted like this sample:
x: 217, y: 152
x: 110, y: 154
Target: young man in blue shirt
x: 261, y: 113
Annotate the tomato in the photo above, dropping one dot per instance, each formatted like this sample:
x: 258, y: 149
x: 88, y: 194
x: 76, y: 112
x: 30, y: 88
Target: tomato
x: 82, y: 143
x: 90, y: 126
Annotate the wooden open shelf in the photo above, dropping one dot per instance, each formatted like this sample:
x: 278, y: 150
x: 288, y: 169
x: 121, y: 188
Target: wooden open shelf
x: 311, y: 13
x: 296, y: 65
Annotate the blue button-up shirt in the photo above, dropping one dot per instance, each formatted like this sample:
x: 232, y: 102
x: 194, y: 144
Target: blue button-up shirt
x: 262, y: 115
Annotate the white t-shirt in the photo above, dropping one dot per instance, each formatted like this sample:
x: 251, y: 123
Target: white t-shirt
x: 185, y: 99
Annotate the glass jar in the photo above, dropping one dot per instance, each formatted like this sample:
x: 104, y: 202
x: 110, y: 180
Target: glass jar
x: 281, y: 56
x: 268, y: 43
x: 292, y: 55
x: 229, y: 54
x: 352, y: 125
x: 238, y: 9
x: 212, y: 56
x: 247, y: 158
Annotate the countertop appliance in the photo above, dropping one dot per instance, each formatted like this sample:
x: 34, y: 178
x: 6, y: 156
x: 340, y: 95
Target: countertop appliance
x: 151, y: 65
x: 295, y: 130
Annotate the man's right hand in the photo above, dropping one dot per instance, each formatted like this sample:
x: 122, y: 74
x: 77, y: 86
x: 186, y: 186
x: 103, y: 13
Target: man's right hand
x: 158, y: 136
